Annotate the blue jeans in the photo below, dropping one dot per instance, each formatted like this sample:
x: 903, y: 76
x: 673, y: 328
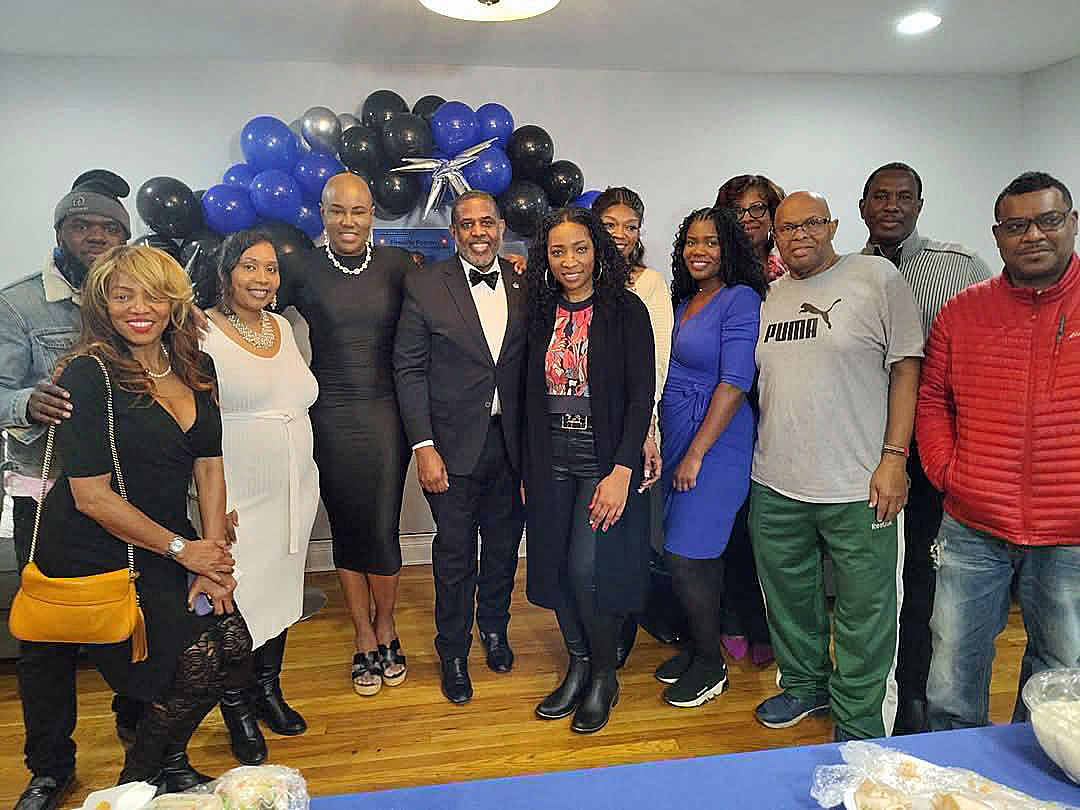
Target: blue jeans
x: 971, y: 607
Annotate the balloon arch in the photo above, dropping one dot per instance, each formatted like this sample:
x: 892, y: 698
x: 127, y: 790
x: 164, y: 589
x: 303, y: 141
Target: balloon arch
x: 414, y: 159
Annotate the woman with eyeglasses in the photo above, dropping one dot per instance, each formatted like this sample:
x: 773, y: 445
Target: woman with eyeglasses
x: 588, y: 403
x: 622, y: 213
x: 754, y: 198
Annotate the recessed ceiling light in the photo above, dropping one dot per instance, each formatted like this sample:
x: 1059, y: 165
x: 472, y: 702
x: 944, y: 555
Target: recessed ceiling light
x: 489, y: 10
x: 918, y: 23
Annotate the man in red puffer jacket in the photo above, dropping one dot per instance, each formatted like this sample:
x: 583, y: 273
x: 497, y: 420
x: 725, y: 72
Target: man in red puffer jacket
x: 998, y: 425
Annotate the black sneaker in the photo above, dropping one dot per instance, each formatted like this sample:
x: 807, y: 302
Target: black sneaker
x: 699, y: 684
x: 674, y: 668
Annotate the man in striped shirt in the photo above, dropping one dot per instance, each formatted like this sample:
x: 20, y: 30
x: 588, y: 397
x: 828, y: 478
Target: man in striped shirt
x: 890, y: 207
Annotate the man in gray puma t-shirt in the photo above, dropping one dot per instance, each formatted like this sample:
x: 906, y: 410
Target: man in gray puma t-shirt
x: 838, y: 354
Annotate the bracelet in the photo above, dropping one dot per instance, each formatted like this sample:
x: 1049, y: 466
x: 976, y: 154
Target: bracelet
x: 894, y: 450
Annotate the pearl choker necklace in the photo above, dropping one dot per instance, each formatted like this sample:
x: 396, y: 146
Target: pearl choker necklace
x: 348, y: 270
x: 168, y: 366
x: 263, y: 339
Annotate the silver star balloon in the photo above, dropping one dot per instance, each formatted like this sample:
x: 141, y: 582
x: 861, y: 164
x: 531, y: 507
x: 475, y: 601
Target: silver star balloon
x: 445, y: 173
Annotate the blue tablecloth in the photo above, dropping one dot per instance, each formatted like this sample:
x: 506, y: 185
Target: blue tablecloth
x: 764, y: 779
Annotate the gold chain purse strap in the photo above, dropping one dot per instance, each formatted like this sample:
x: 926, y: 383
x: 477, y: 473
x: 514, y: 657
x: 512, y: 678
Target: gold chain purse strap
x: 50, y: 441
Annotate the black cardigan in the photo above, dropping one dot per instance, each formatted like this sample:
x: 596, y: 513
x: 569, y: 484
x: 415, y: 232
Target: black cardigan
x: 622, y: 382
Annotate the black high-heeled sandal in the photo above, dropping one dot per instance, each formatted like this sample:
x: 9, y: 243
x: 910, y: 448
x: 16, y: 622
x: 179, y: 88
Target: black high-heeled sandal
x: 389, y: 657
x: 366, y: 665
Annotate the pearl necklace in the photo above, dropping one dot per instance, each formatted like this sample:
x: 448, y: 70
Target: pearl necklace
x: 168, y: 367
x: 263, y: 339
x: 348, y: 270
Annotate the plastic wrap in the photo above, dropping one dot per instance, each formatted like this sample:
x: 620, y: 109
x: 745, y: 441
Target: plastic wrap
x: 253, y: 787
x: 879, y: 778
x: 1053, y: 698
x: 185, y: 801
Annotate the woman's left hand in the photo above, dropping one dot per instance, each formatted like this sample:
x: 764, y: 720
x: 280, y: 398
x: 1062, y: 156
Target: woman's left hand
x: 653, y: 464
x: 609, y: 499
x: 685, y: 476
x: 220, y: 596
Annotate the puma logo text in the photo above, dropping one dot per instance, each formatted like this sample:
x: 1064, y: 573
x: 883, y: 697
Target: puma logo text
x: 791, y: 330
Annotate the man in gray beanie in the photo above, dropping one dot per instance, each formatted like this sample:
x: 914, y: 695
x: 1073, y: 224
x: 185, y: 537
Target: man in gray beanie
x: 39, y: 323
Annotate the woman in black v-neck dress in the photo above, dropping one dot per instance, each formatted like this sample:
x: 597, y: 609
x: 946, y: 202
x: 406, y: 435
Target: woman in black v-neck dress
x: 138, y: 322
x: 350, y: 293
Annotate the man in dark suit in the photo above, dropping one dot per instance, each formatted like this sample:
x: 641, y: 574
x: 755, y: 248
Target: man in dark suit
x: 459, y: 359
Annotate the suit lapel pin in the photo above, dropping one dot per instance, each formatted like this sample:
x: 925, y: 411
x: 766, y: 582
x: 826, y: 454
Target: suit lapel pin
x: 517, y: 286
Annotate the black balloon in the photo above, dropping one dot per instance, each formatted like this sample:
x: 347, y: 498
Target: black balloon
x: 406, y: 135
x: 396, y: 193
x: 157, y: 240
x: 361, y: 150
x: 198, y: 194
x: 563, y: 182
x: 379, y: 107
x: 168, y: 207
x: 205, y: 241
x: 523, y: 205
x: 530, y: 151
x: 287, y: 238
x: 427, y: 106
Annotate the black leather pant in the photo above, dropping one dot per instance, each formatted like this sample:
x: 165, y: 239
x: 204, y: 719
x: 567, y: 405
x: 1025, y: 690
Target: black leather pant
x: 576, y: 473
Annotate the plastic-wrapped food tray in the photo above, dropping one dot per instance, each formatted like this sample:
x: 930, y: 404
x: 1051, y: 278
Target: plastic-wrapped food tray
x: 1053, y: 698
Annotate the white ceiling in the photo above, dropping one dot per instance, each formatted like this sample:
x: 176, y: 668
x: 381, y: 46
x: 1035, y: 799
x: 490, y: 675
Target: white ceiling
x: 746, y: 36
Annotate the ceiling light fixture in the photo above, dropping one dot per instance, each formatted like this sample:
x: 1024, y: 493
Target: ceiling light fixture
x: 918, y: 23
x: 489, y: 10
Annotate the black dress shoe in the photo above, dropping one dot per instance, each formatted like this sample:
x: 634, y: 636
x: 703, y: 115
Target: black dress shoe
x: 567, y: 696
x: 625, y: 642
x: 596, y: 704
x: 500, y: 658
x: 455, y: 680
x: 245, y: 737
x: 44, y: 792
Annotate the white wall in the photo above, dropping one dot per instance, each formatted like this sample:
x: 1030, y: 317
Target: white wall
x: 1051, y: 120
x: 673, y: 137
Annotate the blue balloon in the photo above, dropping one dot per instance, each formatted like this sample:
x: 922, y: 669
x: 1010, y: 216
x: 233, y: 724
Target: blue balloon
x: 312, y: 171
x: 453, y: 126
x: 308, y: 220
x: 586, y: 198
x: 494, y: 121
x: 228, y: 208
x: 275, y: 195
x: 238, y: 175
x: 490, y: 171
x: 268, y: 143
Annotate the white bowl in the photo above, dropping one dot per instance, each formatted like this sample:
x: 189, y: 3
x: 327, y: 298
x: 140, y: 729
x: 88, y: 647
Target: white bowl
x: 1053, y: 698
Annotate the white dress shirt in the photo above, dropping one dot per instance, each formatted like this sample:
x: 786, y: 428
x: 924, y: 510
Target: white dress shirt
x: 492, y: 308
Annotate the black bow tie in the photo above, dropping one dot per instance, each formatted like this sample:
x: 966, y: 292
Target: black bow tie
x: 491, y: 277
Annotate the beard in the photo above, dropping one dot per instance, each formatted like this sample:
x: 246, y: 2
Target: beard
x: 70, y: 267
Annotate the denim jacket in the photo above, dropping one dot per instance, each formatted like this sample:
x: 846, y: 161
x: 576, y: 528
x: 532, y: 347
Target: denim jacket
x: 39, y: 323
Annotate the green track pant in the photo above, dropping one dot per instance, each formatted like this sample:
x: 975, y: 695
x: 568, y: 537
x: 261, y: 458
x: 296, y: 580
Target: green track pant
x: 790, y: 540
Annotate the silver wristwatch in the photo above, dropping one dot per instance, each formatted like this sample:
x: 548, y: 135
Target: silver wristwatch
x: 176, y: 547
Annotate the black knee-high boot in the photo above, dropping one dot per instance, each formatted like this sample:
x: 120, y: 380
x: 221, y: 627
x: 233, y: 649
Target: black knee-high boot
x: 602, y: 693
x: 270, y: 704
x: 245, y: 736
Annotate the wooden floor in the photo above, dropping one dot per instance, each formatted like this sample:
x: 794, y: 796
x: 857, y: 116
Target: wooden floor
x: 411, y: 736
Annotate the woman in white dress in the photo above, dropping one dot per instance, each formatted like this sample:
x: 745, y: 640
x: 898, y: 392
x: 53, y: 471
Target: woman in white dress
x: 265, y: 389
x: 622, y: 213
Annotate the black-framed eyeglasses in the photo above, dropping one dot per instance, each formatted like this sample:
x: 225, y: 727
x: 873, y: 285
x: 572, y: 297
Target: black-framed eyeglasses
x: 755, y: 210
x: 1048, y: 222
x: 814, y: 225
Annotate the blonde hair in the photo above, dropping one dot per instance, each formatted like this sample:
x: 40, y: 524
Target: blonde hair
x: 158, y: 273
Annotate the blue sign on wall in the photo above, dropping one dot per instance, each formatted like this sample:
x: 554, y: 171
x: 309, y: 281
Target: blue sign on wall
x: 434, y: 244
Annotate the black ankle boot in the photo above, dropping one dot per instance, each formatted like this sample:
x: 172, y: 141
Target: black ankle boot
x: 177, y: 775
x: 596, y: 704
x: 567, y: 696
x: 270, y: 705
x: 245, y: 736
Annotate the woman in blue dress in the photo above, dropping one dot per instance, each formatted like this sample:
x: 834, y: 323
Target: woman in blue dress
x: 707, y: 431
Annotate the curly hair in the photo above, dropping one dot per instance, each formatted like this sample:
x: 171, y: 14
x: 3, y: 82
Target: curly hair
x: 739, y: 263
x: 609, y: 279
x: 621, y: 195
x: 156, y: 271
